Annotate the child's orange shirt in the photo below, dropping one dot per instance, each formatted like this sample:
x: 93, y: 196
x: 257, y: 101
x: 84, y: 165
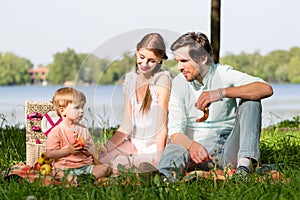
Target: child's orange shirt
x: 61, y: 137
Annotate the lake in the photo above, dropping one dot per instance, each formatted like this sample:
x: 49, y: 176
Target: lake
x: 105, y: 103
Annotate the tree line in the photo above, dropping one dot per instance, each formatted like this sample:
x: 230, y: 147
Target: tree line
x: 278, y: 66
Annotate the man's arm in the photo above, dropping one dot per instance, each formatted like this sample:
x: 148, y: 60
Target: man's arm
x: 252, y: 91
x: 197, y: 152
x: 178, y: 121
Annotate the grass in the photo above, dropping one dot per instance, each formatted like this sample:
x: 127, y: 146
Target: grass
x: 277, y: 146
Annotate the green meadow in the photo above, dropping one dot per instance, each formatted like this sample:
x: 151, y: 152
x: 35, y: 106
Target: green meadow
x: 280, y: 145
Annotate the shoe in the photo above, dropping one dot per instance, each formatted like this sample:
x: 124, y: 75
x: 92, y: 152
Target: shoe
x: 242, y: 173
x: 146, y: 167
x: 172, y: 178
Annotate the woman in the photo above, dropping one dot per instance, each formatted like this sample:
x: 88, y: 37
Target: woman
x: 142, y: 135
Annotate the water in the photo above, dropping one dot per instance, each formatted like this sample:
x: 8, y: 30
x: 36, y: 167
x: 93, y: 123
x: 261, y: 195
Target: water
x: 284, y: 104
x: 106, y: 103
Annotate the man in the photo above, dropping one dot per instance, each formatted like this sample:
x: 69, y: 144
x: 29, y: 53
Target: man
x: 230, y: 135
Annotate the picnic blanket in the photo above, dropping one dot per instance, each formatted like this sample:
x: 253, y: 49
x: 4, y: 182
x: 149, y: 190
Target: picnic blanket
x: 261, y: 174
x: 28, y: 172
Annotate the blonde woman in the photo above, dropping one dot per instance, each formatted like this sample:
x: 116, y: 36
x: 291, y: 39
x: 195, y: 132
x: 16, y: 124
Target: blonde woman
x: 142, y: 135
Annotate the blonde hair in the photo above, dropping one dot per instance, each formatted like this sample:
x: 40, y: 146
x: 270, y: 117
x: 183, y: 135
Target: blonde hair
x: 63, y: 96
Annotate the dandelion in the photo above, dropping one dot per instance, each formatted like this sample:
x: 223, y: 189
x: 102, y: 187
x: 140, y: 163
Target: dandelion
x: 31, y: 197
x: 216, y: 160
x: 174, y: 175
x: 210, y: 165
x: 229, y: 166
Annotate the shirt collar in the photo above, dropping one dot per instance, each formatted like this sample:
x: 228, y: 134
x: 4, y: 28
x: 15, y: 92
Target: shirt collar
x: 197, y: 85
x: 211, y: 71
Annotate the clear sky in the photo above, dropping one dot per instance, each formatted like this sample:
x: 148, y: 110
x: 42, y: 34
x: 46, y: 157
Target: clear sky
x: 37, y: 29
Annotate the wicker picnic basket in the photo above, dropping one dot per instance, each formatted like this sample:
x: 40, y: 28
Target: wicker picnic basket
x: 35, y: 138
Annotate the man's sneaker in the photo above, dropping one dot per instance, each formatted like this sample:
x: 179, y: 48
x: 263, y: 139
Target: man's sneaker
x: 242, y: 173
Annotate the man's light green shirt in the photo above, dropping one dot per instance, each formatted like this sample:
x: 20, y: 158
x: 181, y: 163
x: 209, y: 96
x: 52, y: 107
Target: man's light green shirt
x: 183, y: 113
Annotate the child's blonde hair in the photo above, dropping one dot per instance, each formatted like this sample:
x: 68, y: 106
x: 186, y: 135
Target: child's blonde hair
x: 63, y: 96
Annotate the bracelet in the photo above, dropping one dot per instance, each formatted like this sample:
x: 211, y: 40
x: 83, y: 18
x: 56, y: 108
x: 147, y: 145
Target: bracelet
x: 221, y: 94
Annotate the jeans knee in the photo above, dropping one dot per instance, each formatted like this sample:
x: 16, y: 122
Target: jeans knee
x: 247, y: 106
x: 173, y: 154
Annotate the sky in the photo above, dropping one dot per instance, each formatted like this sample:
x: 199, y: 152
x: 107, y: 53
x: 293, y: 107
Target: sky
x: 36, y: 29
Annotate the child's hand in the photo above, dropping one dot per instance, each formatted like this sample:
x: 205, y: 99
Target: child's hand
x: 74, y: 149
x: 86, y: 152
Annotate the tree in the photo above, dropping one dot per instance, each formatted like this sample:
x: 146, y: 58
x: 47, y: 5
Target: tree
x: 14, y: 69
x: 293, y: 69
x: 215, y: 28
x: 116, y: 70
x: 273, y: 62
x: 64, y: 67
x: 91, y: 68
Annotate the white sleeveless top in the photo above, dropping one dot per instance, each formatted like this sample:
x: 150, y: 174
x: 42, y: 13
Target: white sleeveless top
x: 144, y: 127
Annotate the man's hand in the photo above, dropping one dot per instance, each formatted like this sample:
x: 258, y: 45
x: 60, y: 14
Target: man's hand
x: 198, y: 153
x: 207, y: 97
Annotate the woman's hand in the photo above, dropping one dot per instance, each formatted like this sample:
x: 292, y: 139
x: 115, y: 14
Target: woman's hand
x: 102, y: 149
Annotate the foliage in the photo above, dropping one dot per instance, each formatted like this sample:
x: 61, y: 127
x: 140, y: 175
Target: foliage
x: 171, y: 66
x: 14, y: 69
x: 293, y: 69
x: 280, y: 147
x: 278, y: 66
x: 116, y: 70
x: 64, y: 67
x: 12, y: 146
x: 294, y: 123
x: 91, y: 68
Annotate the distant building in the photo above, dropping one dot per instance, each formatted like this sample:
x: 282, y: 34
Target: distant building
x: 38, y: 75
